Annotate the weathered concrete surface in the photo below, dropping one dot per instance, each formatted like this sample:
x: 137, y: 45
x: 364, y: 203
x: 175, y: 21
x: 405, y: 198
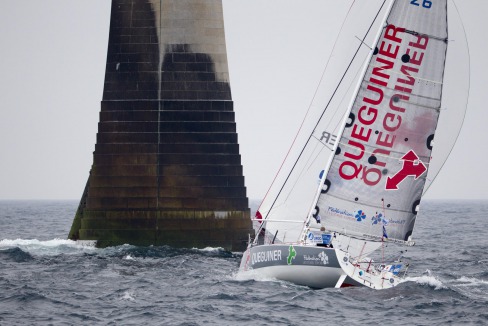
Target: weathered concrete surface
x: 166, y: 167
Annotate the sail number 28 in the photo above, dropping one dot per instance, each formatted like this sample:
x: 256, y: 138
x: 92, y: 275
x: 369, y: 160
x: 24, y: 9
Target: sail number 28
x: 425, y: 3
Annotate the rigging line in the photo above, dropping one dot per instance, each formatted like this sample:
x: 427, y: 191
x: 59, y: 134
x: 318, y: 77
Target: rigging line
x: 327, y: 126
x: 312, y: 159
x: 351, y: 84
x: 364, y: 43
x: 337, y: 125
x: 323, y: 112
x: 427, y: 187
x: 308, y: 110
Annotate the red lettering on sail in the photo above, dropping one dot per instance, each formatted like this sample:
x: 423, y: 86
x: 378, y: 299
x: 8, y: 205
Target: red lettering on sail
x: 391, y: 33
x: 385, y: 97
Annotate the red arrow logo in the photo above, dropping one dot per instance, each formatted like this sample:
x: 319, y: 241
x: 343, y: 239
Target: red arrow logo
x: 412, y: 166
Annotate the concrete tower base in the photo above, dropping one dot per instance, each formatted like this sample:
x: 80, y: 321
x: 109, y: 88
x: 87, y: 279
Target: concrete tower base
x: 166, y: 167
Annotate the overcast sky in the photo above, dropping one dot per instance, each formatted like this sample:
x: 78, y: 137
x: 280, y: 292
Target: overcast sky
x: 52, y: 66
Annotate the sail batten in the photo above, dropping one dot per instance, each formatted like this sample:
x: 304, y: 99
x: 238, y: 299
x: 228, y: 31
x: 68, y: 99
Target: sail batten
x: 440, y: 82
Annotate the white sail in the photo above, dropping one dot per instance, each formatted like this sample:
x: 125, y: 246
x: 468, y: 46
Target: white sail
x: 294, y: 191
x: 377, y: 177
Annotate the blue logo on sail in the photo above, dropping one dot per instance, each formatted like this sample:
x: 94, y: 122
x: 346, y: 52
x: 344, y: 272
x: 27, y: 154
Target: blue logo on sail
x: 360, y: 216
x: 379, y: 218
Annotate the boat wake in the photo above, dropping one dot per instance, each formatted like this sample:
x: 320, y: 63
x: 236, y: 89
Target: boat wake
x: 252, y: 275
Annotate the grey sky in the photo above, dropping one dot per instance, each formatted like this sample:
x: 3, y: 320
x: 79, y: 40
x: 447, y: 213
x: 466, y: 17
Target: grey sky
x: 52, y: 69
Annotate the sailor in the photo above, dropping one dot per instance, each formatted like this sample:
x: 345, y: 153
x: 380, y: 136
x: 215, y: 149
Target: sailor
x: 262, y: 230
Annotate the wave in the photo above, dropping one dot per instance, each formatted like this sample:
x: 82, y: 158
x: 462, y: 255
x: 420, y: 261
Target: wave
x: 131, y: 252
x: 128, y: 296
x: 48, y: 247
x: 210, y: 249
x: 15, y: 254
x: 471, y: 287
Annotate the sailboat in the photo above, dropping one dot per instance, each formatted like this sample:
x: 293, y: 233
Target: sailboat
x: 372, y: 162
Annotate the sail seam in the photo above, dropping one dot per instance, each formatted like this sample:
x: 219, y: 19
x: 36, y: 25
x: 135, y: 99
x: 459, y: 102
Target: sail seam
x: 393, y: 72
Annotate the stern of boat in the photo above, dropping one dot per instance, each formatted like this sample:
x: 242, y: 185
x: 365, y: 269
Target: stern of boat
x: 366, y: 273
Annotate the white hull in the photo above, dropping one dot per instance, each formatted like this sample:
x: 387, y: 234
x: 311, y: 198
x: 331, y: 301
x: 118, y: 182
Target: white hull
x: 314, y: 266
x: 314, y: 277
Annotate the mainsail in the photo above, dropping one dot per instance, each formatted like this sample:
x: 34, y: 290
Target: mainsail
x: 377, y: 176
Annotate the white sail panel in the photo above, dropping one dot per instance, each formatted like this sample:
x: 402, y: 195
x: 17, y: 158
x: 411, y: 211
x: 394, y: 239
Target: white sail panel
x: 377, y: 176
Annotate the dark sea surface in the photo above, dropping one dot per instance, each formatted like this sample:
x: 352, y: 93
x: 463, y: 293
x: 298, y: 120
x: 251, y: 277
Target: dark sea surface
x: 47, y: 280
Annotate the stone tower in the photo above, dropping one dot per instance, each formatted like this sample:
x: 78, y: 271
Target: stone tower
x: 166, y: 166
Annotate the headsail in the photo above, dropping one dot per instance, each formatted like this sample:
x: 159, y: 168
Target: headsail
x: 379, y: 171
x: 294, y: 192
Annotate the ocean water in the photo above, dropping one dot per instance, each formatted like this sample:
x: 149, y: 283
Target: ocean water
x: 47, y: 280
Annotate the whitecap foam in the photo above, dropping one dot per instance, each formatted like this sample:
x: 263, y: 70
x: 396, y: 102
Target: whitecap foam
x: 128, y: 296
x: 252, y: 275
x: 429, y: 280
x: 129, y: 257
x: 209, y: 249
x: 48, y: 247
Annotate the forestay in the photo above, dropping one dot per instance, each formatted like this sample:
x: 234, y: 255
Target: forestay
x: 377, y: 176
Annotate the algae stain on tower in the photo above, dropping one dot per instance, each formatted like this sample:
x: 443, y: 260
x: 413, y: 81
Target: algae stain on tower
x: 166, y: 167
